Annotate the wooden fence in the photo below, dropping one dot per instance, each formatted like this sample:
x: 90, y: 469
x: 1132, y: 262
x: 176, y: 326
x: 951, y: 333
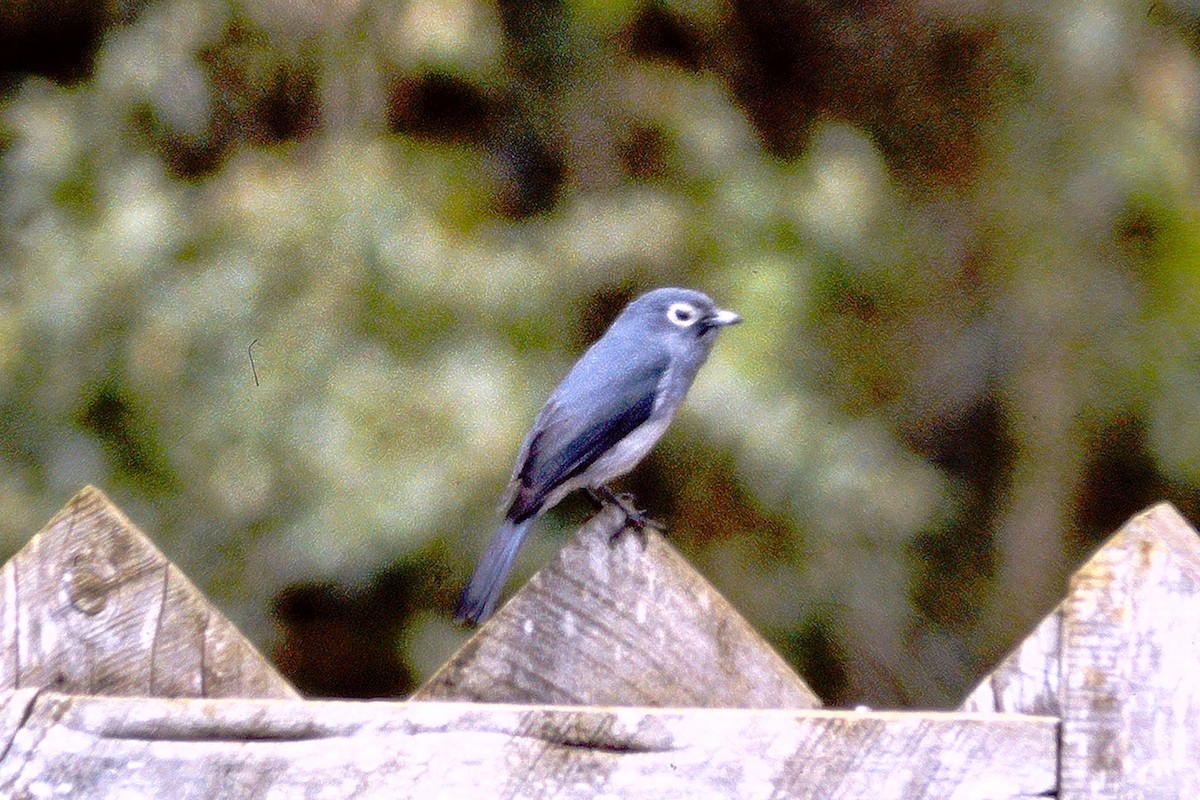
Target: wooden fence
x: 616, y: 672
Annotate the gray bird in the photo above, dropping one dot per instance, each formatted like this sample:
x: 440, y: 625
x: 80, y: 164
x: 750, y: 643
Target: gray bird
x: 603, y: 419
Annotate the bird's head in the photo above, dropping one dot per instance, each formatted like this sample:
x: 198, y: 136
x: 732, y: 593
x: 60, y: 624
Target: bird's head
x: 678, y: 317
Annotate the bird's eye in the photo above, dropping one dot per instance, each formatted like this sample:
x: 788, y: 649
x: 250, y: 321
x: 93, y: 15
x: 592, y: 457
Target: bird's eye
x: 682, y: 314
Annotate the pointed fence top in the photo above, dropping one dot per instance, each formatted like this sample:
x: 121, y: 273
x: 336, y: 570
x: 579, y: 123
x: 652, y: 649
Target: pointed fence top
x: 90, y: 606
x: 613, y: 622
x: 1116, y: 661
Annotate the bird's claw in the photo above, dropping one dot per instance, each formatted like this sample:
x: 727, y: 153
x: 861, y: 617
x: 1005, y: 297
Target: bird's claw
x: 595, y: 497
x: 636, y: 519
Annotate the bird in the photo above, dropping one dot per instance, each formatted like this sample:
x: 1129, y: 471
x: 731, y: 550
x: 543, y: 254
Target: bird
x: 609, y: 411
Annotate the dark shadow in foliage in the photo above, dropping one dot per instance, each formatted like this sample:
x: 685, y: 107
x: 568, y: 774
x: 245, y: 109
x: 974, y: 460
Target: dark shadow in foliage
x: 261, y: 95
x: 438, y: 107
x: 111, y: 413
x: 339, y: 642
x: 813, y: 648
x: 792, y: 63
x: 446, y: 109
x: 55, y: 38
x: 531, y: 174
x: 953, y: 565
x: 537, y: 54
x: 657, y: 34
x: 1119, y: 480
x: 335, y: 646
x: 646, y: 153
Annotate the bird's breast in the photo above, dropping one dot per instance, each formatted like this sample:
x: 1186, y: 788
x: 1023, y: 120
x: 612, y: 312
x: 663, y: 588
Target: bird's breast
x: 627, y: 453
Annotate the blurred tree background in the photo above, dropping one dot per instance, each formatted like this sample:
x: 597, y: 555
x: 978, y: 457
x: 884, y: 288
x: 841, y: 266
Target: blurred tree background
x: 964, y: 237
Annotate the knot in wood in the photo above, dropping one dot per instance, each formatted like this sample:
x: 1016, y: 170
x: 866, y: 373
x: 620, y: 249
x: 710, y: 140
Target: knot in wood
x: 87, y: 590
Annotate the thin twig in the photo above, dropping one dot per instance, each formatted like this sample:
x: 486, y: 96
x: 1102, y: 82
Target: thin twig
x: 250, y: 352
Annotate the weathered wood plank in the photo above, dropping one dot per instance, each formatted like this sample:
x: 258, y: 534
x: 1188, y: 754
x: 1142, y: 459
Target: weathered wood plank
x: 1131, y: 665
x: 99, y: 747
x: 1119, y: 660
x: 619, y: 623
x: 89, y: 605
x: 1027, y: 680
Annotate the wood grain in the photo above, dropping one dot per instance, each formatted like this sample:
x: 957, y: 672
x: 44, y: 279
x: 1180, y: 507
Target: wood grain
x: 1106, y: 690
x: 619, y: 622
x: 99, y: 747
x: 90, y: 606
x: 1028, y: 680
x: 1131, y: 665
x: 1119, y: 661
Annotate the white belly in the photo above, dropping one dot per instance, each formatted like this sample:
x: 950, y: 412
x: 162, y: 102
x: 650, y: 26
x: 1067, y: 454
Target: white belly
x: 627, y: 453
x: 619, y: 459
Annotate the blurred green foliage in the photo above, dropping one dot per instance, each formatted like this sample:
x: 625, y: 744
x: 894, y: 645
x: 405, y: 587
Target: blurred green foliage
x: 964, y: 239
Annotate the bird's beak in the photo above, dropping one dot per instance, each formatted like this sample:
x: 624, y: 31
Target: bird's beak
x: 721, y: 318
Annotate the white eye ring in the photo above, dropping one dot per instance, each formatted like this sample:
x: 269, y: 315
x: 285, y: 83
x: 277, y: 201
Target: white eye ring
x: 683, y: 314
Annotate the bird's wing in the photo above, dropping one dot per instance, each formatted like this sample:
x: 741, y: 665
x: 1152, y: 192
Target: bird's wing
x: 582, y: 420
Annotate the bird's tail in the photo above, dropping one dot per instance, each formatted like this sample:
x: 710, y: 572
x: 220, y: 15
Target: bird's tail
x: 479, y: 599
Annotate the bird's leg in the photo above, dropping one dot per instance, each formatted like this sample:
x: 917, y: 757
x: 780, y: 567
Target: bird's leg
x: 635, y: 519
x: 595, y: 497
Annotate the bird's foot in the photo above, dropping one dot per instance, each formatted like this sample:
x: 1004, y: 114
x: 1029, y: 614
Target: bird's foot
x: 636, y: 520
x: 595, y: 497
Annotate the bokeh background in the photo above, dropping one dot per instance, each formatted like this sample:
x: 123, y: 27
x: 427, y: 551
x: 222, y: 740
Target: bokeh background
x: 964, y: 237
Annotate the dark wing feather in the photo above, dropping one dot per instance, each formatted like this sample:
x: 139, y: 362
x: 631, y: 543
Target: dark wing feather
x: 578, y: 427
